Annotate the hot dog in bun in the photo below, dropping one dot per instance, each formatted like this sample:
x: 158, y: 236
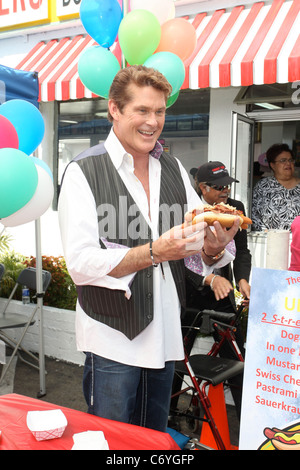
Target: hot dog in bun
x: 223, y: 213
x: 283, y: 440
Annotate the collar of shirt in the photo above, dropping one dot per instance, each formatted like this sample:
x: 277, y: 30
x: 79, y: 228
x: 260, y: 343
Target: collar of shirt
x: 119, y: 155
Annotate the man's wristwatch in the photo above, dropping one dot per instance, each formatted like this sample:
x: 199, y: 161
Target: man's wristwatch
x: 215, y: 257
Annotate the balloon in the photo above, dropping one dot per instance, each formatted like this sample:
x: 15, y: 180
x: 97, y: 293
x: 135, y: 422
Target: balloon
x: 18, y: 180
x: 40, y: 200
x: 178, y: 36
x: 97, y: 67
x: 28, y: 122
x: 101, y: 20
x: 163, y: 9
x: 172, y: 99
x: 121, y: 6
x: 139, y: 36
x: 8, y: 134
x: 171, y: 66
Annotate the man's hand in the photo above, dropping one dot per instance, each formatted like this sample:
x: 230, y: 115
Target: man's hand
x: 216, y: 240
x: 221, y: 286
x: 244, y: 288
x: 179, y: 242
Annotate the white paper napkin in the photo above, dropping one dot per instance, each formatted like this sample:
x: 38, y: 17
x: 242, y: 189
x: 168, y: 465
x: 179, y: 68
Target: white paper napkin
x: 90, y: 440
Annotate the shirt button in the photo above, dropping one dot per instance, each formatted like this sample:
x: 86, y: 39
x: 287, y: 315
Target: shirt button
x: 149, y: 295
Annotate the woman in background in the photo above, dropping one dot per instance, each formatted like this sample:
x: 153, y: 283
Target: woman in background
x: 276, y: 198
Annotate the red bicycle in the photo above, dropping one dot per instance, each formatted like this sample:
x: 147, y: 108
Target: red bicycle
x: 208, y: 369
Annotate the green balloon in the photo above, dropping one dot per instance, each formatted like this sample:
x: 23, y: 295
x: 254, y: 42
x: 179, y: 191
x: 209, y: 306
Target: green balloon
x: 139, y: 36
x: 97, y: 68
x: 18, y: 180
x: 172, y: 99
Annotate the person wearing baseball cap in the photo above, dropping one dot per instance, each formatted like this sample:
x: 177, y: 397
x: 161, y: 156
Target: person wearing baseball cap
x: 213, y: 172
x: 212, y: 183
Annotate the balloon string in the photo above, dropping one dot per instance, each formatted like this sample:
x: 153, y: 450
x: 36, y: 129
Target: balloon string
x: 2, y: 231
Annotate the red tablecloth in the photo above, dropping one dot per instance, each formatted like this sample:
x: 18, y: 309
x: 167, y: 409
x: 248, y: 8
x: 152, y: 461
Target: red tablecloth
x: 120, y: 436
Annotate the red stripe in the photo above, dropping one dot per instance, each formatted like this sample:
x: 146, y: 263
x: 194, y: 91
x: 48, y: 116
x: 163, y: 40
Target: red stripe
x: 207, y: 31
x: 117, y: 52
x: 225, y: 63
x: 203, y: 70
x: 79, y: 88
x: 65, y: 88
x: 31, y: 53
x: 64, y: 65
x: 52, y: 81
x: 247, y: 62
x: 197, y: 21
x: 270, y: 63
x: 294, y: 62
x: 32, y: 66
x: 54, y: 54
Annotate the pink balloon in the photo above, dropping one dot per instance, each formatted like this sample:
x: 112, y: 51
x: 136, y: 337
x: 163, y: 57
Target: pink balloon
x: 8, y: 134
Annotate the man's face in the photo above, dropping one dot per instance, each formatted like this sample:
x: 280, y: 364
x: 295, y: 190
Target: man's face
x: 140, y: 123
x: 215, y: 196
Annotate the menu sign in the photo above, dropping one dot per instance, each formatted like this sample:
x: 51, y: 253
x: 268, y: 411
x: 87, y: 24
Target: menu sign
x: 271, y: 391
x: 13, y: 13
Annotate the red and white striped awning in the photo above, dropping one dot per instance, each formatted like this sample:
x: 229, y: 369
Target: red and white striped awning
x: 57, y: 65
x: 248, y: 45
x: 252, y: 44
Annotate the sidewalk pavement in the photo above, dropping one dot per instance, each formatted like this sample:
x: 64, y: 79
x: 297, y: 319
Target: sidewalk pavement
x: 63, y: 383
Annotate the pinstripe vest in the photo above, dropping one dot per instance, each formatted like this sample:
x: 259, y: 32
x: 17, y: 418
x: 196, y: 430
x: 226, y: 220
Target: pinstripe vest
x: 121, y: 222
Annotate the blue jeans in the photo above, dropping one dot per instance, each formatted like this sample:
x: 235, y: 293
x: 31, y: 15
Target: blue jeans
x: 128, y: 394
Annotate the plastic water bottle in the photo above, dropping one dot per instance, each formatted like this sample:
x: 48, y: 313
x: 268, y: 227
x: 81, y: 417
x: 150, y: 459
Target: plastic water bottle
x: 25, y: 295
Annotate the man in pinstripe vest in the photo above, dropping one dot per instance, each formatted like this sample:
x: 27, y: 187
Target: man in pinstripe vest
x: 121, y: 209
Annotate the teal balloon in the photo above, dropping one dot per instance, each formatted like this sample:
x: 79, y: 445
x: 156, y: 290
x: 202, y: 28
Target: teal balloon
x: 101, y: 20
x: 97, y: 68
x: 28, y: 122
x: 171, y: 66
x: 139, y: 36
x: 18, y: 180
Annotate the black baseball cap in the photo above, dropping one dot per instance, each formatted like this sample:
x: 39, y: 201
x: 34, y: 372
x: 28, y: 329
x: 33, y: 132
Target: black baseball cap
x: 212, y: 172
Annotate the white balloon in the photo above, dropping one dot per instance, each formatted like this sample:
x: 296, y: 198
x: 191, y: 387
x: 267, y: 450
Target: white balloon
x: 37, y: 205
x: 164, y: 10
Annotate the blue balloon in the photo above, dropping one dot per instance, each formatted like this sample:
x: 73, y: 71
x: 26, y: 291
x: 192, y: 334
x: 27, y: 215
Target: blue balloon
x: 28, y: 122
x: 41, y: 163
x: 101, y: 20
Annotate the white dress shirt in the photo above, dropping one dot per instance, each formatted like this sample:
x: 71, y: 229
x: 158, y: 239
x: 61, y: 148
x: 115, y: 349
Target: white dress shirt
x: 88, y: 264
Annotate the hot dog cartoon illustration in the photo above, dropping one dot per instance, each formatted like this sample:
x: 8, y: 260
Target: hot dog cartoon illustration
x: 282, y: 439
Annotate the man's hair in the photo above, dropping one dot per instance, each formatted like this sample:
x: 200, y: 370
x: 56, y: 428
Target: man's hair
x: 140, y: 76
x: 198, y: 189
